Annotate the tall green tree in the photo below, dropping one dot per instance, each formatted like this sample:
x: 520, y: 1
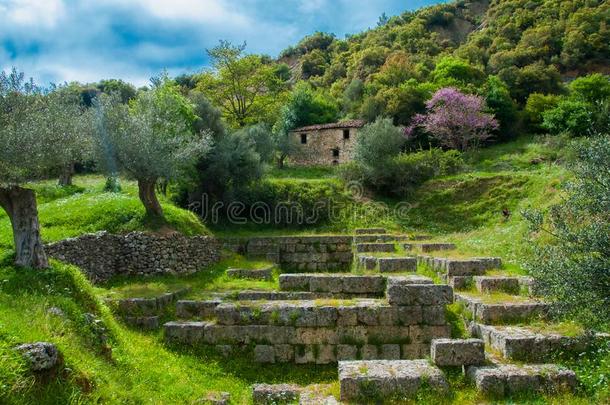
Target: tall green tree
x: 247, y: 88
x: 33, y: 146
x: 149, y: 140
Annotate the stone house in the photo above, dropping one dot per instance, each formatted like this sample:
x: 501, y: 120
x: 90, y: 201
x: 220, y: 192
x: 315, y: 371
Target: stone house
x: 325, y: 144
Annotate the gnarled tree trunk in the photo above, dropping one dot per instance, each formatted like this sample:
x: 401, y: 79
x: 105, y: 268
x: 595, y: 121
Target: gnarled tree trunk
x: 20, y: 205
x: 65, y: 179
x: 146, y: 191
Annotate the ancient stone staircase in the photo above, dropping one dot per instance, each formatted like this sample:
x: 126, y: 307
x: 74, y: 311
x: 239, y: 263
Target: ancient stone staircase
x: 382, y: 321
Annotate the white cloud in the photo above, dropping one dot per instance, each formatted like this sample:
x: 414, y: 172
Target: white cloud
x: 310, y: 6
x: 214, y: 12
x: 33, y: 12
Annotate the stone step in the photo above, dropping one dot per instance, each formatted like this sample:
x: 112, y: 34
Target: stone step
x: 488, y: 284
x: 197, y: 309
x: 380, y: 238
x: 502, y: 312
x: 457, y: 352
x: 255, y: 295
x: 333, y: 283
x: 388, y: 379
x: 428, y: 247
x: 460, y: 267
x: 387, y: 264
x: 506, y: 380
x: 142, y: 307
x: 268, y: 394
x: 522, y: 344
x: 142, y: 322
x: 369, y: 231
x: 375, y: 247
x: 307, y: 344
x: 366, y: 312
x: 265, y: 274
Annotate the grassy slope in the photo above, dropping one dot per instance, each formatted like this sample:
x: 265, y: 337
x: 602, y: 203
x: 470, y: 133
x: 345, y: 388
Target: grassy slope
x: 463, y: 208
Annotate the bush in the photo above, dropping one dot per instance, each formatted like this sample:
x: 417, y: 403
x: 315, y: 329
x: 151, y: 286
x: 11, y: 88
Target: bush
x: 572, y: 270
x: 536, y: 105
x: 377, y: 142
x: 403, y: 173
x: 268, y: 202
x: 571, y: 116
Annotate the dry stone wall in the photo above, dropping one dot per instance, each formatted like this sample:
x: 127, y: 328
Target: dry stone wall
x: 104, y: 255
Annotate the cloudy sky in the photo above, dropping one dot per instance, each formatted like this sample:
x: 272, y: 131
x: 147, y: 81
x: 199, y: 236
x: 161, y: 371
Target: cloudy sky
x: 89, y: 40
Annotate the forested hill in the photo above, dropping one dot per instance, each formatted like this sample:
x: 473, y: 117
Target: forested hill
x: 531, y: 45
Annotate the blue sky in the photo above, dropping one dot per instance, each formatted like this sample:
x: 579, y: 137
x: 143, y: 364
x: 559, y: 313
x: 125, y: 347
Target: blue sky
x: 89, y: 40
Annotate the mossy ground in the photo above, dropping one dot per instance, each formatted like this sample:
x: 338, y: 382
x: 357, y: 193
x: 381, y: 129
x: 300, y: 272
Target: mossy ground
x: 465, y: 209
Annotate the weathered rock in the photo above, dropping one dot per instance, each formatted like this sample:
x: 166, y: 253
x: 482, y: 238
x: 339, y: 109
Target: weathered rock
x: 264, y: 354
x: 487, y: 284
x: 268, y: 394
x: 505, y: 312
x: 215, y: 398
x: 265, y: 274
x: 42, y: 356
x: 189, y: 309
x: 457, y: 352
x: 104, y: 255
x: 143, y: 322
x: 419, y: 294
x: 334, y: 283
x: 410, y: 279
x: 367, y: 262
x: 376, y: 380
x: 375, y: 247
x: 184, y: 332
x: 397, y: 264
x: 508, y: 379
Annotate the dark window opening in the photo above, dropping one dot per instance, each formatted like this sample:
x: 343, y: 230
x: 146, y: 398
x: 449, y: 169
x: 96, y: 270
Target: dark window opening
x: 335, y: 162
x: 303, y: 138
x: 346, y: 134
x: 335, y: 152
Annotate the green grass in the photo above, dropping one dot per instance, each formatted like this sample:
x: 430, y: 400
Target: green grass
x: 201, y: 284
x: 85, y: 208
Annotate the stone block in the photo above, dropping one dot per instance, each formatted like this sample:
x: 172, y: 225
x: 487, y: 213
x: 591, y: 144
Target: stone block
x: 264, y: 354
x: 410, y: 279
x: 267, y: 394
x: 419, y: 294
x: 143, y: 322
x: 434, y: 315
x: 414, y: 351
x: 460, y: 282
x: 410, y: 315
x: 304, y: 354
x: 325, y: 354
x: 299, y: 282
x: 375, y: 247
x: 188, y: 309
x: 509, y: 380
x: 389, y: 352
x: 463, y: 267
x: 397, y: 264
x: 255, y: 274
x: 487, y: 284
x: 284, y: 353
x: 347, y: 352
x: 457, y: 352
x: 369, y: 352
x: 190, y: 333
x: 367, y: 262
x: 386, y: 379
x: 431, y: 247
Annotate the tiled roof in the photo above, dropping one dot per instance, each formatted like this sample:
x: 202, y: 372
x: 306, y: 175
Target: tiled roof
x: 334, y: 125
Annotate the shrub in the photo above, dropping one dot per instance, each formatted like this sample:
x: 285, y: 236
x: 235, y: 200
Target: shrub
x: 572, y: 270
x: 403, y: 173
x: 571, y: 116
x: 536, y: 105
x: 377, y: 142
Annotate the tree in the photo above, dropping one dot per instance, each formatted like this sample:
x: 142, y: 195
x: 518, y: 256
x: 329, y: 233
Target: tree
x: 573, y: 268
x: 594, y: 88
x: 377, y: 142
x: 245, y: 87
x: 29, y: 150
x: 125, y: 91
x: 72, y: 123
x: 536, y: 105
x: 207, y: 117
x: 455, y: 120
x: 571, y: 116
x: 262, y: 141
x: 150, y: 139
x: 497, y: 98
x: 304, y: 107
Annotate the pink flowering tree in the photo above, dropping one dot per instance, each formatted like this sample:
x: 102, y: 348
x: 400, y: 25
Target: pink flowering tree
x: 456, y: 120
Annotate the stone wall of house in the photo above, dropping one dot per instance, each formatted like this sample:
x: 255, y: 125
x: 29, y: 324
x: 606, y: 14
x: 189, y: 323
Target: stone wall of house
x: 298, y: 253
x: 320, y: 145
x: 103, y: 255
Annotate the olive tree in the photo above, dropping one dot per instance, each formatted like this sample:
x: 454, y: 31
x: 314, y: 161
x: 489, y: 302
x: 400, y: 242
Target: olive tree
x: 32, y: 147
x: 149, y: 140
